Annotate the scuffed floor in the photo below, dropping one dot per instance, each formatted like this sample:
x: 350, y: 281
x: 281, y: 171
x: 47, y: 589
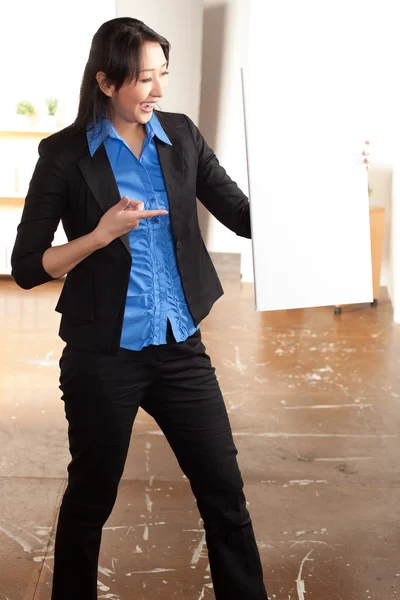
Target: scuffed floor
x: 314, y: 402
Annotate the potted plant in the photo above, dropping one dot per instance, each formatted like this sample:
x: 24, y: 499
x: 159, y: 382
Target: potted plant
x: 52, y: 105
x: 26, y: 114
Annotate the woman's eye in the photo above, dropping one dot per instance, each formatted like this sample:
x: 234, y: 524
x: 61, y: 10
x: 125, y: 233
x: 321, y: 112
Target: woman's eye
x: 150, y: 79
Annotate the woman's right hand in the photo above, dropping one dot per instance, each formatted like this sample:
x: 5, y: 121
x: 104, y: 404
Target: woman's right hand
x: 122, y: 218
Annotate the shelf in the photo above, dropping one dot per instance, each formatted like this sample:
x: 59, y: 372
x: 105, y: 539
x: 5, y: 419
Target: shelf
x: 29, y: 132
x: 15, y: 199
x: 15, y: 195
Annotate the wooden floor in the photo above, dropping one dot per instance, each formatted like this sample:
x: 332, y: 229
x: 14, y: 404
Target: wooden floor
x: 314, y: 401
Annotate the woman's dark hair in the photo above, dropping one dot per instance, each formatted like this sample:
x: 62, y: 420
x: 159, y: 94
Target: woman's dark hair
x: 116, y: 50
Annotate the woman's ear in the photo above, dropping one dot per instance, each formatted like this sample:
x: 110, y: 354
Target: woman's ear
x: 105, y: 87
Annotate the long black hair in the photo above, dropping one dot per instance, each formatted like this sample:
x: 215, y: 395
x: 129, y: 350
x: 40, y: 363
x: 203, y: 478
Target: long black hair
x: 116, y: 50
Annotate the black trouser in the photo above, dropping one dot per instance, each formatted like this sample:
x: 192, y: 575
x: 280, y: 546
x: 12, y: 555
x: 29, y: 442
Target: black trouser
x: 175, y: 383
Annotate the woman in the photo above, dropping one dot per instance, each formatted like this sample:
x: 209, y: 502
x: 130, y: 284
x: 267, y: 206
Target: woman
x: 139, y: 281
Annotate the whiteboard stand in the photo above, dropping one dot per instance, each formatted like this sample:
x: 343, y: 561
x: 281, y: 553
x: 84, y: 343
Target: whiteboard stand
x: 338, y: 309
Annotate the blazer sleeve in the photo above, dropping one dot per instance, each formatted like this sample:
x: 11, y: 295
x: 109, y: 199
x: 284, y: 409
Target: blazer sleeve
x: 216, y: 190
x: 44, y: 205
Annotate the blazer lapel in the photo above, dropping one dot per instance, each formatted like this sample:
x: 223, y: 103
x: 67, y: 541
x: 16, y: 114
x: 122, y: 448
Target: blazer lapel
x: 172, y: 166
x: 100, y: 179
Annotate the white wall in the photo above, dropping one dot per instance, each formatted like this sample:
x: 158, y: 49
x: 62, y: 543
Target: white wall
x: 382, y: 97
x: 44, y: 48
x: 221, y: 108
x: 221, y: 121
x: 395, y: 244
x: 180, y: 21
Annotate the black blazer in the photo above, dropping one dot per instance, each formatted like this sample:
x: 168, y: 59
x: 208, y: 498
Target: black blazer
x: 70, y: 185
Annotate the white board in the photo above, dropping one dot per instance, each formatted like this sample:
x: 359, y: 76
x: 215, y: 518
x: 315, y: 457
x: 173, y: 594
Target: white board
x: 306, y: 108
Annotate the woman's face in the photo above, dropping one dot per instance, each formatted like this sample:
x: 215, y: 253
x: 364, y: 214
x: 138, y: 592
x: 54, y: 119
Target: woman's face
x: 134, y: 102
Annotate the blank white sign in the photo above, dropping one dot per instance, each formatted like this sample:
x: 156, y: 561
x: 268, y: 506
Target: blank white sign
x: 305, y: 98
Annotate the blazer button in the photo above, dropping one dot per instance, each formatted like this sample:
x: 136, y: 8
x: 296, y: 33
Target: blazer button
x: 178, y: 245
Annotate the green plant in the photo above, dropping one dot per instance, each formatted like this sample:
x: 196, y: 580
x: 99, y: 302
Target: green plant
x: 25, y: 108
x: 52, y: 104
